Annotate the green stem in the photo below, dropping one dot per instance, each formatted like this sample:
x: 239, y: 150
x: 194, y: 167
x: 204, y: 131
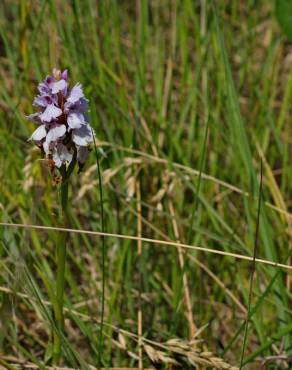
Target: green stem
x: 100, y: 342
x: 100, y: 352
x: 249, y: 310
x: 61, y: 265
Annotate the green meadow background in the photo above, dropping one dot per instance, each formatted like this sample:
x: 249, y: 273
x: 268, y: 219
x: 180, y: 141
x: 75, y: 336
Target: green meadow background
x: 188, y: 101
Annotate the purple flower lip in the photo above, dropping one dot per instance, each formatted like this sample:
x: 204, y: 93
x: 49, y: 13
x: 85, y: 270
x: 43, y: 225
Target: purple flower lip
x: 63, y: 121
x: 65, y: 74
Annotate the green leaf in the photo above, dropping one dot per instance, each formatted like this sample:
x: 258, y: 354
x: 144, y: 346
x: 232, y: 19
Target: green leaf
x: 284, y: 16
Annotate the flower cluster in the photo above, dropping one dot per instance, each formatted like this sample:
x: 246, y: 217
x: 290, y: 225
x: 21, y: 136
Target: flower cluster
x: 64, y: 132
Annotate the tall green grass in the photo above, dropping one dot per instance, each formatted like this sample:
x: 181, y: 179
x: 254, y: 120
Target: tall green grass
x: 206, y: 85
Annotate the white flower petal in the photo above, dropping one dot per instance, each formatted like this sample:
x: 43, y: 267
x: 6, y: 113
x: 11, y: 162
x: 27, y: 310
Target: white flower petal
x: 55, y: 133
x: 57, y: 159
x: 59, y: 86
x: 82, y: 136
x: 75, y: 120
x: 80, y: 106
x: 64, y: 153
x: 61, y: 154
x: 42, y: 101
x: 50, y: 113
x: 46, y: 147
x: 39, y: 133
x: 75, y: 94
x: 43, y: 88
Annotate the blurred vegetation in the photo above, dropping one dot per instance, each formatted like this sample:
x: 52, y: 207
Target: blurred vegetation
x: 186, y: 100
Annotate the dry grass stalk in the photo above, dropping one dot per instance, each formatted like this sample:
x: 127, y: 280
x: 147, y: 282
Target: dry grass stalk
x: 187, y: 296
x: 150, y: 240
x: 178, y: 352
x: 20, y: 364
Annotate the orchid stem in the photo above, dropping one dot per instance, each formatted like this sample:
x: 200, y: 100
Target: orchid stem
x: 61, y: 266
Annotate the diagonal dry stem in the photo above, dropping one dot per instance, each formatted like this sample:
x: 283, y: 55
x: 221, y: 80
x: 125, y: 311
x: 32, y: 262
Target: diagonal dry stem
x: 152, y: 241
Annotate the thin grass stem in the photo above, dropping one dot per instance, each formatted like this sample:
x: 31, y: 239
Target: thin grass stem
x: 100, y: 345
x: 253, y: 268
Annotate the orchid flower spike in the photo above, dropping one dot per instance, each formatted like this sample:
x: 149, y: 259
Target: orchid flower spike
x: 63, y: 133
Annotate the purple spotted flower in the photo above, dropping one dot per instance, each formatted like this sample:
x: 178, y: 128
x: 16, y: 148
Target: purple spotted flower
x: 63, y: 131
